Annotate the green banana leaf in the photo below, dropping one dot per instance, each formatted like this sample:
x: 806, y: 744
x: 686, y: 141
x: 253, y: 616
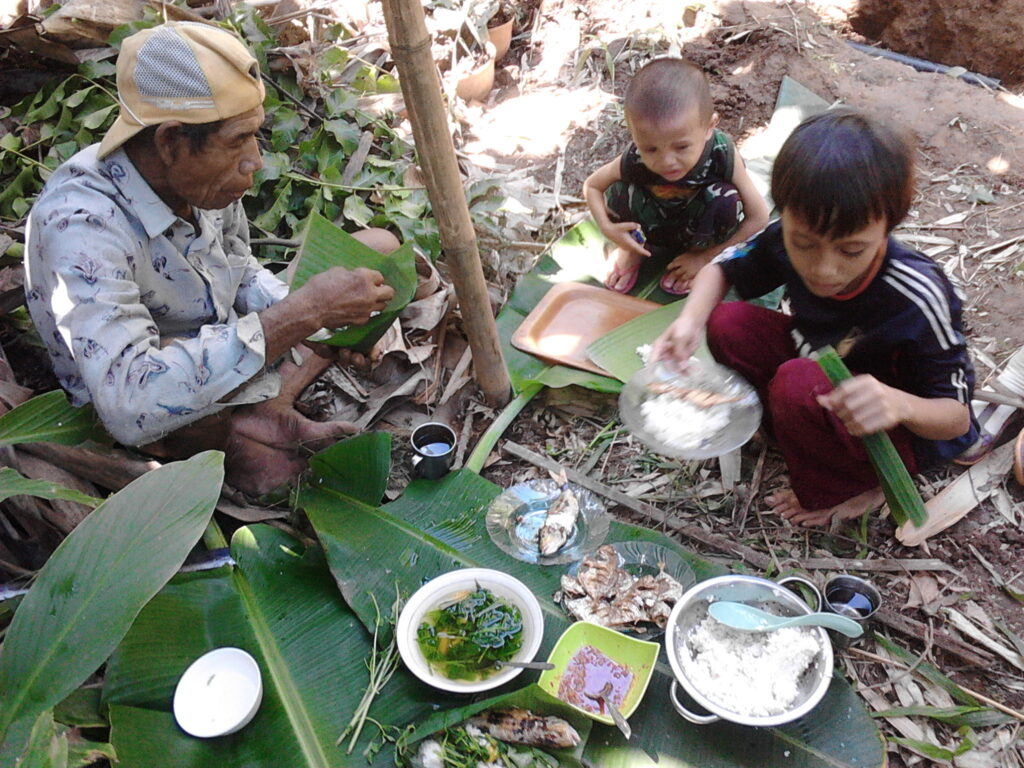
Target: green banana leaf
x: 574, y: 257
x: 437, y: 526
x: 51, y: 418
x: 325, y: 245
x: 12, y: 483
x: 47, y: 745
x: 280, y: 604
x: 95, y: 583
x: 616, y: 350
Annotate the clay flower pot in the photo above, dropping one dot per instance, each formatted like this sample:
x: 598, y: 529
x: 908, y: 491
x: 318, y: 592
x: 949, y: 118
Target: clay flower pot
x: 477, y: 83
x: 501, y: 36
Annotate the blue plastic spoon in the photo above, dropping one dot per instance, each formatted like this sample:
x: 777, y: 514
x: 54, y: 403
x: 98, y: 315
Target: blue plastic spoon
x: 750, y: 619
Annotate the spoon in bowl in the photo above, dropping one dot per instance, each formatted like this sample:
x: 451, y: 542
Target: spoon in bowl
x: 525, y: 664
x: 750, y: 619
x: 620, y: 721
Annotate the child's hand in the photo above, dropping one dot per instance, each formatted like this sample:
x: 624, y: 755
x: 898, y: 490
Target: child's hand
x: 679, y: 341
x: 621, y: 233
x: 865, y: 405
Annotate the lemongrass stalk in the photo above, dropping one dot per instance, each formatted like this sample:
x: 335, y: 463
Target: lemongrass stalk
x: 900, y: 492
x: 489, y: 439
x: 382, y: 664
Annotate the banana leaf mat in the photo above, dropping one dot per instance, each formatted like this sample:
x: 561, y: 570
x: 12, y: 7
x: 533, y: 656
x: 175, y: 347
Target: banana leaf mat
x: 307, y: 613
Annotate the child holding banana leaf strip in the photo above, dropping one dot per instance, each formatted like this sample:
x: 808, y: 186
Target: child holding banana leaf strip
x: 842, y: 181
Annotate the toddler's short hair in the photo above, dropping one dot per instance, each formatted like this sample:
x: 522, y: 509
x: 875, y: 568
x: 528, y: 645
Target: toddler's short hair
x: 842, y: 169
x: 665, y: 87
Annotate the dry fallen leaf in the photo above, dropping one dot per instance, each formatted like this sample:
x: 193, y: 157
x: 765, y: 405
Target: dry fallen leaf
x: 924, y: 590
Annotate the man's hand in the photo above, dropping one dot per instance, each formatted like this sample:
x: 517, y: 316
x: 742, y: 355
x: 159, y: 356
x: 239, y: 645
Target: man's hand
x: 347, y: 297
x: 865, y: 405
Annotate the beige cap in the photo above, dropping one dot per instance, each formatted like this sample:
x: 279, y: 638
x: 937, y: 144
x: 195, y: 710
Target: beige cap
x: 181, y: 70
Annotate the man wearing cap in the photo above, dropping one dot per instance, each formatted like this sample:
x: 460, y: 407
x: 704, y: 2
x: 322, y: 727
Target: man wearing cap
x: 141, y: 282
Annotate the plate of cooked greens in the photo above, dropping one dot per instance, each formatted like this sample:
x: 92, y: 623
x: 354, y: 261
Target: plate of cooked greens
x: 547, y: 522
x: 454, y: 629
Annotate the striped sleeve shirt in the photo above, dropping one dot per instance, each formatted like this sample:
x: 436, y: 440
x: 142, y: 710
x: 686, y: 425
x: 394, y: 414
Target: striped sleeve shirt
x: 905, y: 328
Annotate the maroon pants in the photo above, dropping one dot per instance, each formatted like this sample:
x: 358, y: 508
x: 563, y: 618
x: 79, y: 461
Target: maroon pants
x: 827, y: 465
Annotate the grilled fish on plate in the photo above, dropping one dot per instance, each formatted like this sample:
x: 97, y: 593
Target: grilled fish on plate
x: 560, y: 522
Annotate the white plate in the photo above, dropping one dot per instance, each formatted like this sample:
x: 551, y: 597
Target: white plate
x: 515, y: 517
x: 219, y: 693
x: 434, y: 592
x: 744, y: 413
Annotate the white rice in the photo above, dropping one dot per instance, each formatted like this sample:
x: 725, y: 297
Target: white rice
x: 678, y: 423
x: 755, y: 674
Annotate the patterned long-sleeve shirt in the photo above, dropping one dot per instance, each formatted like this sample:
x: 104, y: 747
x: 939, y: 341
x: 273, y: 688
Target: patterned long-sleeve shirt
x: 151, y: 320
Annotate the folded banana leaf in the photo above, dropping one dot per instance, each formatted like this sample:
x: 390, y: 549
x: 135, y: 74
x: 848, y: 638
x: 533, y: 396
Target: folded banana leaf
x: 325, y: 245
x: 616, y: 350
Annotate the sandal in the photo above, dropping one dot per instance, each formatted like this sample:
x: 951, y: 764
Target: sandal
x: 987, y: 440
x: 630, y: 275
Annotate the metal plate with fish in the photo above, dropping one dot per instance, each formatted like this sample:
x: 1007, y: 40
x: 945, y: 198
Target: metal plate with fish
x: 703, y: 412
x: 628, y: 586
x: 547, y: 523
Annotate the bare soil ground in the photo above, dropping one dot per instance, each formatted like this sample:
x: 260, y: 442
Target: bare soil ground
x: 967, y: 215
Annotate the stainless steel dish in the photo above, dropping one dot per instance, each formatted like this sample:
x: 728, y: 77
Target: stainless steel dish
x: 770, y: 595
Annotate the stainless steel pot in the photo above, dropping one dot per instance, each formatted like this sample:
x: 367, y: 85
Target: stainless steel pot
x: 772, y: 596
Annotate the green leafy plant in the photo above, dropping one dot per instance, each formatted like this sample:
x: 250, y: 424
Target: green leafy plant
x: 50, y: 418
x: 88, y: 593
x: 323, y: 155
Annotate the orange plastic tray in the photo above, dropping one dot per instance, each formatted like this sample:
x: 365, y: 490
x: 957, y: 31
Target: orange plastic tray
x: 570, y: 317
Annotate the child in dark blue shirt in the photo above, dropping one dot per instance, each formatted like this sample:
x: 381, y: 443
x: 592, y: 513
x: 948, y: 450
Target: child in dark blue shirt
x: 842, y: 182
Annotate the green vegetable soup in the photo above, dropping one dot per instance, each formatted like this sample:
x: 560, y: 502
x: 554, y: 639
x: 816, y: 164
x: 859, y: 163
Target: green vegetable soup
x: 462, y: 640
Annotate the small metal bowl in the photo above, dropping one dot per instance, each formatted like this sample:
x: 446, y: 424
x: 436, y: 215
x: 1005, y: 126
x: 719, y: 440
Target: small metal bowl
x: 693, y: 609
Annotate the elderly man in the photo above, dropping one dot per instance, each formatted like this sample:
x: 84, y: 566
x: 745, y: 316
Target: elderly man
x: 140, y: 278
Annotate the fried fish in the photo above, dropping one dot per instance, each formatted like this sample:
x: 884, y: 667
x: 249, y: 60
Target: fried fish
x: 559, y: 523
x: 521, y: 726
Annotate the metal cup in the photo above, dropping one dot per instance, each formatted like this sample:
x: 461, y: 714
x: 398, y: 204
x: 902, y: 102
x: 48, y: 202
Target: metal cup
x: 853, y: 597
x: 804, y: 588
x: 434, y: 445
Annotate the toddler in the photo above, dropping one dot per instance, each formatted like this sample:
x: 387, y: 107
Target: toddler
x: 842, y: 181
x: 679, y: 191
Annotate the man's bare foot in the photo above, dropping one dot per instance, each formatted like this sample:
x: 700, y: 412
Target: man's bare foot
x: 623, y: 276
x: 785, y: 503
x: 268, y: 442
x: 680, y: 272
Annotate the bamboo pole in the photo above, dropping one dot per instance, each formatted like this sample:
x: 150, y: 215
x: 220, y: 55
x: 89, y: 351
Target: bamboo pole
x: 410, y: 46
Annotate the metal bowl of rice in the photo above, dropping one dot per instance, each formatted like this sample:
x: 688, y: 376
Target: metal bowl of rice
x: 750, y: 678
